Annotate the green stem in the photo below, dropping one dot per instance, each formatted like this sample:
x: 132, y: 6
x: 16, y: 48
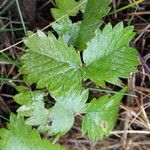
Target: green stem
x: 4, y: 118
x: 109, y: 91
x: 7, y: 7
x: 21, y: 18
x: 9, y: 60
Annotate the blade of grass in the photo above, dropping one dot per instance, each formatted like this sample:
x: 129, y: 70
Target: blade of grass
x: 109, y: 91
x: 21, y: 18
x: 6, y: 61
x: 9, y: 60
x: 7, y: 7
x: 4, y: 118
x: 125, y: 7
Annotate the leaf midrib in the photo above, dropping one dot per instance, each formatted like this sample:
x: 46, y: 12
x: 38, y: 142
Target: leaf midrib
x: 108, y: 54
x: 60, y: 61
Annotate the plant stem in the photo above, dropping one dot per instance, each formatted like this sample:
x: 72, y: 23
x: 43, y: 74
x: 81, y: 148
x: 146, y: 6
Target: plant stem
x: 7, y: 7
x: 4, y: 118
x: 109, y: 91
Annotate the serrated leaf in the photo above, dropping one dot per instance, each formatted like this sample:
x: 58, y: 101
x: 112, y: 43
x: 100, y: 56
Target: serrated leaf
x: 51, y: 63
x: 19, y: 136
x: 68, y: 8
x: 63, y: 8
x: 56, y: 120
x: 108, y: 55
x: 101, y: 116
x: 63, y: 113
x: 60, y: 121
x: 95, y: 11
x: 32, y: 107
x: 67, y: 30
x: 74, y: 102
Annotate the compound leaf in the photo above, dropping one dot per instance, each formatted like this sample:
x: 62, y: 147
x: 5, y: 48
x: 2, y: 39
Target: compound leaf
x: 95, y: 11
x: 108, y: 55
x: 19, y: 136
x: 51, y: 63
x: 101, y: 116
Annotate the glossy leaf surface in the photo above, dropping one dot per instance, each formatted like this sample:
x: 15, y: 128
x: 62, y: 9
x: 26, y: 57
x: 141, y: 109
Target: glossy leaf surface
x: 56, y: 120
x: 63, y: 113
x: 101, y: 116
x: 51, y: 63
x: 108, y: 55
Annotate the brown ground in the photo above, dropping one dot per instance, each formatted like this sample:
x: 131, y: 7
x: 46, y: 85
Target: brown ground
x: 132, y: 131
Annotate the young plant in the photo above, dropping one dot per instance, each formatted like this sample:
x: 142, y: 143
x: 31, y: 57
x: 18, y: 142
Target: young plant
x: 61, y: 65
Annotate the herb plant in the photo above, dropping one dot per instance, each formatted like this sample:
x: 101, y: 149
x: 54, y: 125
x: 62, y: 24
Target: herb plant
x: 60, y: 66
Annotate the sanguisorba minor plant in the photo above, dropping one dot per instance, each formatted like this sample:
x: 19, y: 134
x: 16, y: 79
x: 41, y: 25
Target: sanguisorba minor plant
x: 59, y: 66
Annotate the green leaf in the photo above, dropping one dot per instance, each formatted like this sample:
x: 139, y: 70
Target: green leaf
x: 56, y: 120
x: 67, y: 30
x: 19, y: 136
x: 32, y: 107
x: 22, y: 88
x: 74, y: 102
x: 95, y: 11
x: 51, y: 63
x: 63, y: 8
x: 63, y: 113
x: 108, y: 55
x: 68, y: 6
x: 83, y: 6
x: 101, y: 116
x: 60, y: 121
